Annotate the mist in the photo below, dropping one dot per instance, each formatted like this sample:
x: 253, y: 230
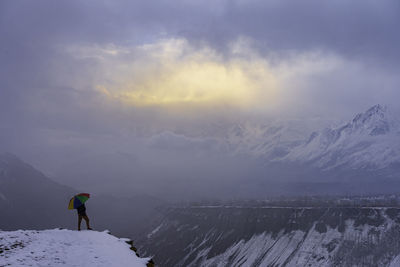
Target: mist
x: 130, y: 98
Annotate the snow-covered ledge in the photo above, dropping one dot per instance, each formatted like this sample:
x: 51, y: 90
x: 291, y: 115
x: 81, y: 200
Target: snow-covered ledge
x: 67, y: 248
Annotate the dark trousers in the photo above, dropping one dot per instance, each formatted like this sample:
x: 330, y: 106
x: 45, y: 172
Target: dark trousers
x: 86, y: 218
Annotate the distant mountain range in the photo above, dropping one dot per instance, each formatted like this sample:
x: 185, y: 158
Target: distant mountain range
x: 295, y: 156
x: 370, y: 140
x: 251, y: 160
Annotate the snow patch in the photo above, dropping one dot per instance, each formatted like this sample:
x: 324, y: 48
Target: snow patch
x: 154, y: 231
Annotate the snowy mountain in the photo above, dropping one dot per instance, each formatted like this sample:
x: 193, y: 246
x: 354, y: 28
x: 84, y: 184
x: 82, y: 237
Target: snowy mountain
x: 277, y: 236
x: 298, y: 156
x: 370, y: 141
x: 269, y: 141
x: 66, y: 248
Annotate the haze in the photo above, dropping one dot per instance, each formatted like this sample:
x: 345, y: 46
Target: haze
x: 134, y: 97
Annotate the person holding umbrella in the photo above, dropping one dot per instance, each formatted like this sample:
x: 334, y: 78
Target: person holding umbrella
x: 78, y: 202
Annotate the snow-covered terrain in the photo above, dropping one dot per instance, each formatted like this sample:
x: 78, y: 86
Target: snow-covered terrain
x: 270, y: 141
x: 65, y: 248
x: 370, y: 141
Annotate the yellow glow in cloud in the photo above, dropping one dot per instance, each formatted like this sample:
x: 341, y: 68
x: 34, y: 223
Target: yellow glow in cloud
x: 172, y: 73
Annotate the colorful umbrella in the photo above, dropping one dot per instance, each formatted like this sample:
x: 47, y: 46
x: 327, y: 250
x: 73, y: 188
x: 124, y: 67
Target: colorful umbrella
x: 78, y: 200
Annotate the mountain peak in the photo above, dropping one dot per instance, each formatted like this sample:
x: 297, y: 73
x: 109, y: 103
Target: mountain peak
x: 381, y: 109
x: 377, y: 110
x: 367, y: 141
x: 375, y: 120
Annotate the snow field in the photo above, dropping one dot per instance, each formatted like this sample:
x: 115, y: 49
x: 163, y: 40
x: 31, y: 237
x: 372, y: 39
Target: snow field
x: 65, y: 248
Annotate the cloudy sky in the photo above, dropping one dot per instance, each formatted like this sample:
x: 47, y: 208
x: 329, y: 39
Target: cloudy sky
x: 79, y: 78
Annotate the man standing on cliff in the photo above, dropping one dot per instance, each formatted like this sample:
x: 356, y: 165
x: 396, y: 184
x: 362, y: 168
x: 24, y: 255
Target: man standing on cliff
x: 78, y: 202
x: 82, y: 214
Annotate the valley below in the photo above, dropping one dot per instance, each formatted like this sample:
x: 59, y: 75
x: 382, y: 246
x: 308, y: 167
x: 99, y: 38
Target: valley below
x: 276, y: 236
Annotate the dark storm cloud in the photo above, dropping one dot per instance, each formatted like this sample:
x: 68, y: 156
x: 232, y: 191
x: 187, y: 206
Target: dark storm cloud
x: 350, y: 27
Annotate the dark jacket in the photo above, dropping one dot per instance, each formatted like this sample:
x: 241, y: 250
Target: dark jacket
x: 81, y: 210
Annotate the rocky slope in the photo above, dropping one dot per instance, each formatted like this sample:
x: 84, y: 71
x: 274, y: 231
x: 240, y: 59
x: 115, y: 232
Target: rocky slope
x: 277, y: 236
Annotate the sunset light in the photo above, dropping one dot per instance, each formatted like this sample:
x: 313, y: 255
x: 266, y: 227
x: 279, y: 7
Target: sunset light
x: 199, y: 78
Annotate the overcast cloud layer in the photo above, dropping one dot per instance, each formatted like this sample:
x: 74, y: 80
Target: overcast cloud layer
x: 84, y: 78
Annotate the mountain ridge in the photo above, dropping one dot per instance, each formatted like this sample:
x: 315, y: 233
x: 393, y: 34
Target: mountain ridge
x: 369, y: 141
